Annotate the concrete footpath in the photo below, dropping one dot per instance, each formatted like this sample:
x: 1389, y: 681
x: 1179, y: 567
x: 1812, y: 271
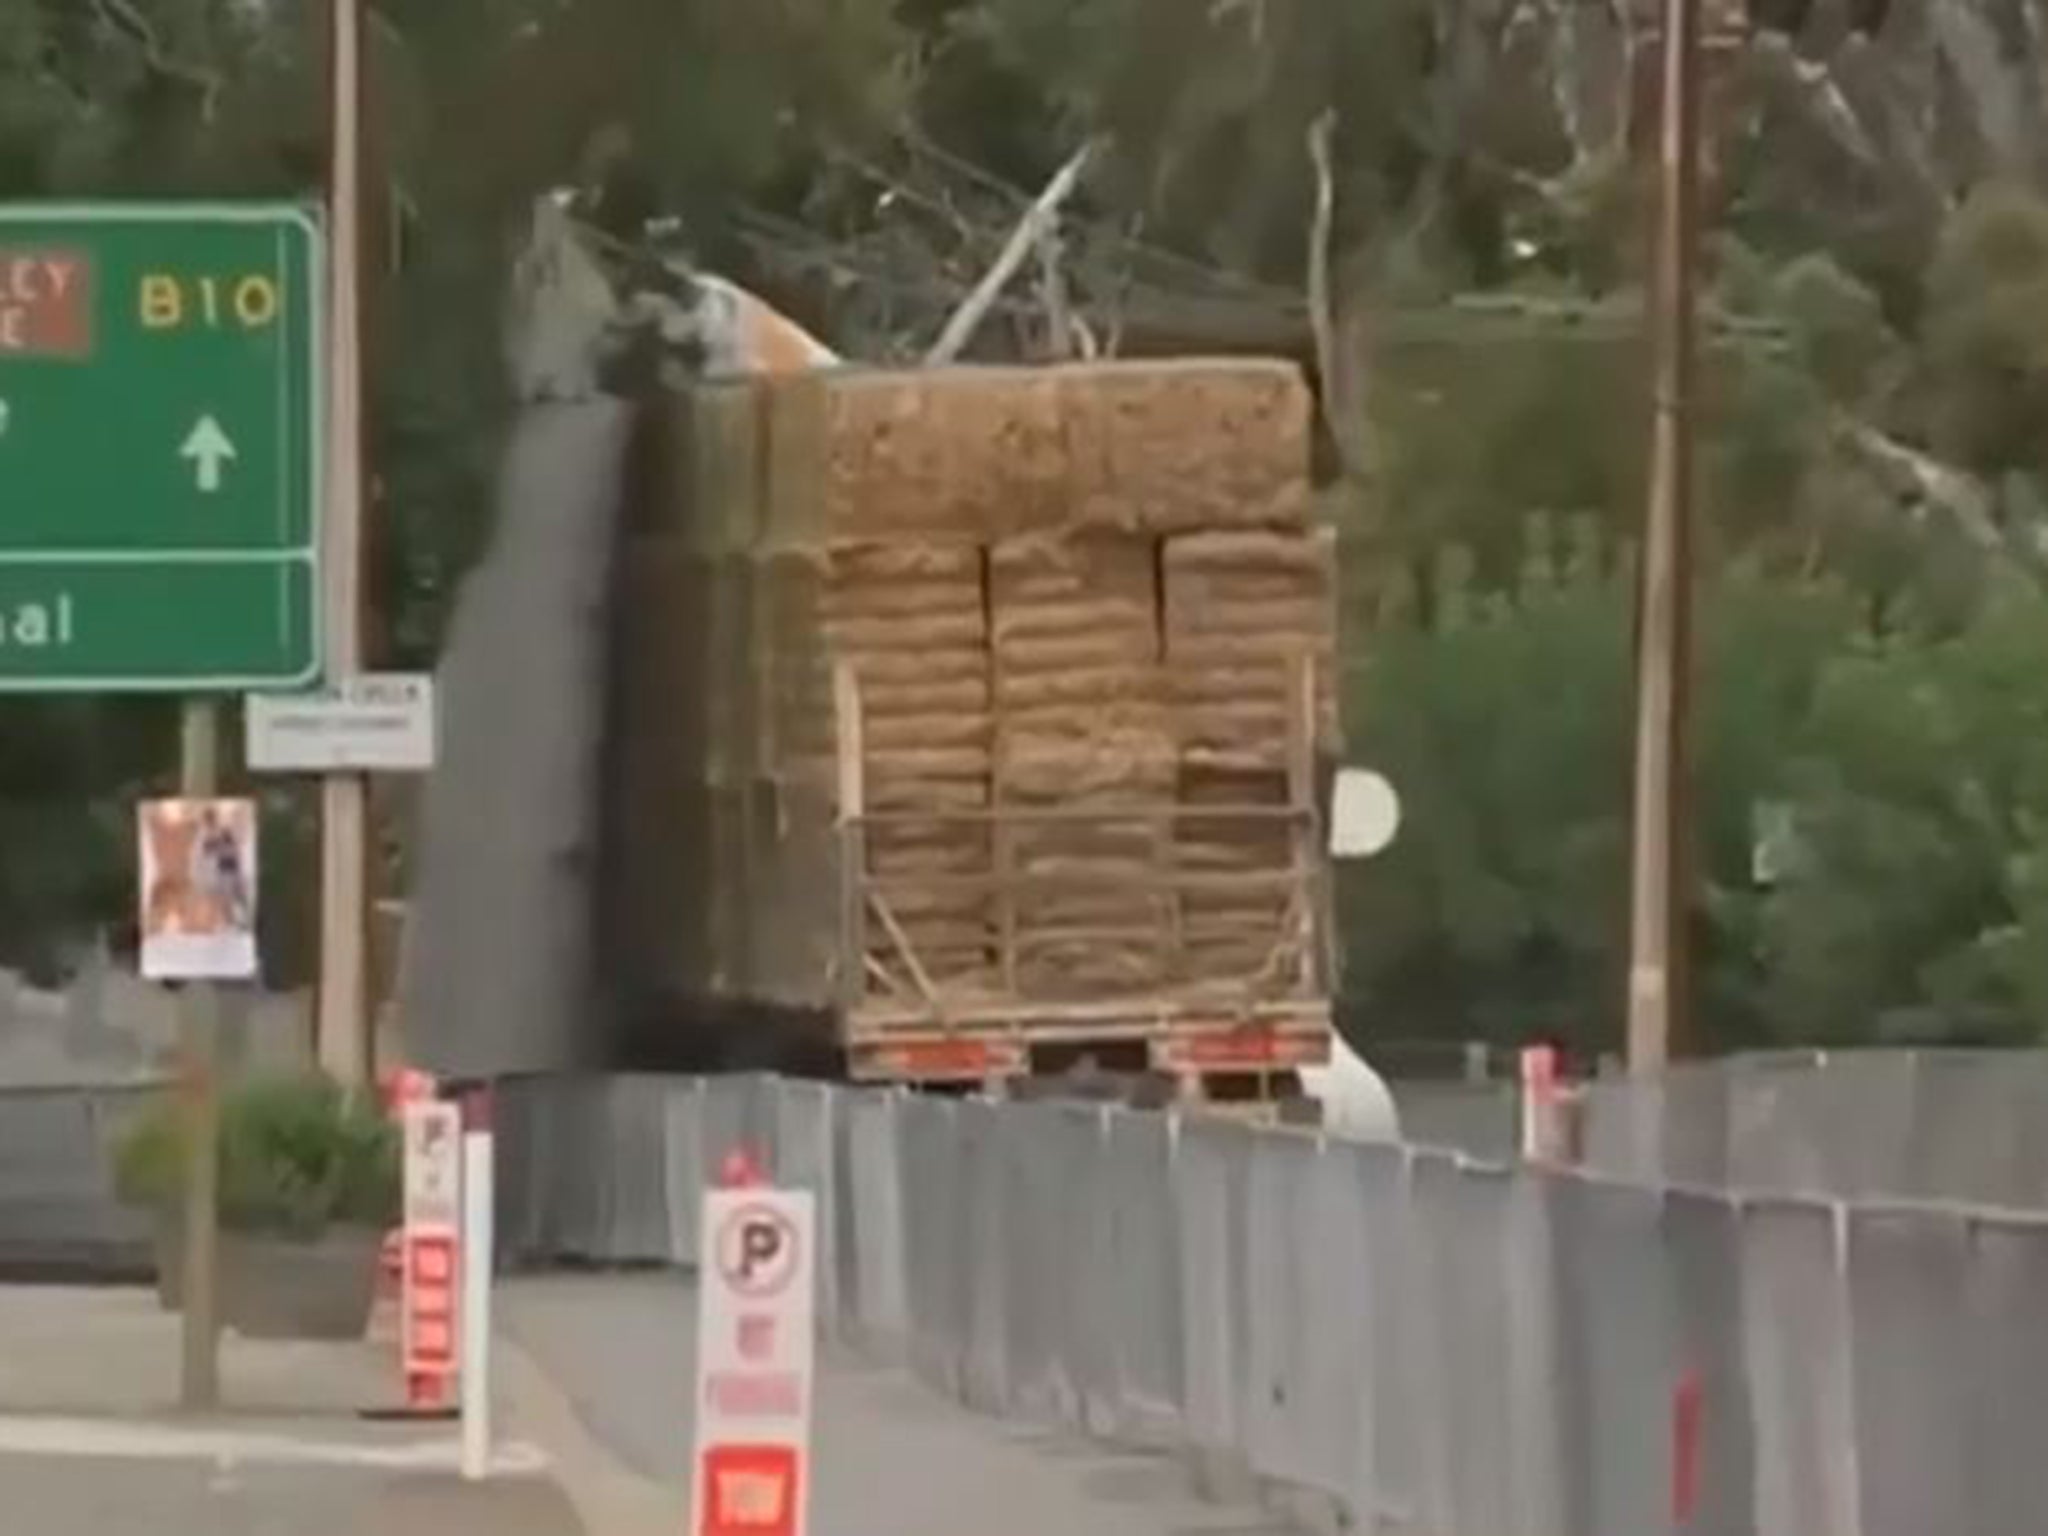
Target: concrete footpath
x: 91, y: 1443
x: 599, y: 1371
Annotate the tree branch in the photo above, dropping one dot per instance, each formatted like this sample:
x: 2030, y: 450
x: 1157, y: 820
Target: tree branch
x: 1038, y: 218
x: 1342, y: 410
x: 123, y: 17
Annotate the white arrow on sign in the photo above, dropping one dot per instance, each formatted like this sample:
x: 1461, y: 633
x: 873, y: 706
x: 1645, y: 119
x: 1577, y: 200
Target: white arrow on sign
x: 209, y: 448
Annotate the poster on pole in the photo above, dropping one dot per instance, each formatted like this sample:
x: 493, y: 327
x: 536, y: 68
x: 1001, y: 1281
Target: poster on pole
x: 198, y: 889
x: 756, y: 1326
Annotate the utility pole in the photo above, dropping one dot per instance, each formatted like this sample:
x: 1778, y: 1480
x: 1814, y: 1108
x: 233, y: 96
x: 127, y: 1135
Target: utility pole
x: 342, y: 1034
x: 1659, y: 968
x: 199, y: 1085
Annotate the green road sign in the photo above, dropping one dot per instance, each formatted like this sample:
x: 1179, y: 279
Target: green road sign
x: 160, y: 370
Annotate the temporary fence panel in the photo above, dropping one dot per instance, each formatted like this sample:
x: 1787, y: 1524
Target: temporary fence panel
x: 738, y: 1116
x: 58, y: 1204
x: 1981, y: 1130
x: 580, y: 1169
x: 1335, y: 1369
x: 1027, y: 1179
x: 1714, y: 1492
x: 1797, y: 1336
x: 637, y: 1229
x: 1088, y: 1289
x: 934, y: 1269
x: 1144, y: 1271
x: 988, y: 1263
x: 685, y: 1168
x: 1429, y: 1387
x: 1618, y: 1324
x: 875, y: 1196
x: 1385, y: 1480
x: 1475, y: 1327
x: 2006, y: 1301
x: 1209, y: 1206
x: 521, y: 1102
x: 1534, y: 1368
x: 1910, y: 1344
x: 806, y: 1150
x: 1278, y: 1325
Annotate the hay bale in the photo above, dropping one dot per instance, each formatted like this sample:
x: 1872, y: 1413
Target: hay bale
x: 952, y: 452
x: 1230, y: 931
x: 979, y: 454
x: 1082, y: 725
x: 912, y: 621
x: 1241, y: 607
x: 1192, y: 443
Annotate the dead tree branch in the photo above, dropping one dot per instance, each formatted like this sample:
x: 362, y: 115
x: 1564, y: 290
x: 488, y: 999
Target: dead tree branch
x: 1037, y: 220
x: 122, y: 17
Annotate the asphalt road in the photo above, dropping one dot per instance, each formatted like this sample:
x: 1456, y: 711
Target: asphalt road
x: 892, y: 1459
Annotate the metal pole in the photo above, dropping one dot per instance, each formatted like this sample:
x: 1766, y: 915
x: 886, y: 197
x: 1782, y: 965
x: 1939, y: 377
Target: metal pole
x: 199, y: 1379
x: 342, y: 1026
x: 478, y: 1248
x: 1658, y: 970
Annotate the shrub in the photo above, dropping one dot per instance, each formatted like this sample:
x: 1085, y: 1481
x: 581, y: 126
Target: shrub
x: 297, y: 1155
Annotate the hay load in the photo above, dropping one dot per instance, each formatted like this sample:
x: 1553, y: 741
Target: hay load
x: 1071, y: 599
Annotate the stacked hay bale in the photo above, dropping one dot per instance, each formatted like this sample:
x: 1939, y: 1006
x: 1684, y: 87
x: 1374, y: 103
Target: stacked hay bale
x: 1243, y: 608
x: 1061, y: 591
x: 1082, y: 727
x: 912, y: 620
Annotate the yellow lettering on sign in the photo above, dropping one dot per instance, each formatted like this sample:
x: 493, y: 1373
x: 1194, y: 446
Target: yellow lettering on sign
x: 162, y: 302
x: 255, y: 302
x: 209, y: 301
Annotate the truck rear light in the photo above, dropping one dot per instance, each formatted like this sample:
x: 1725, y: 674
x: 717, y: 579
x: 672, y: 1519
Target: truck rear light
x: 956, y: 1060
x: 1244, y: 1050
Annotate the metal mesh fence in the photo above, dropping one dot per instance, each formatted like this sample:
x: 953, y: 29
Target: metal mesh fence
x: 1861, y: 1125
x: 1431, y: 1344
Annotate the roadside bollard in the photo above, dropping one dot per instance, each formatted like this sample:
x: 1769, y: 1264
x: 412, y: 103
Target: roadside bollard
x: 479, y: 1249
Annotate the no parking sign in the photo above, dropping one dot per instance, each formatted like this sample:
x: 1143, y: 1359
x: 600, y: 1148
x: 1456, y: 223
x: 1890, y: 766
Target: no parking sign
x: 757, y: 1314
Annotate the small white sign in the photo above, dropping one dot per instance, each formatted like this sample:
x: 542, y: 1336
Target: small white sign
x: 433, y: 1163
x: 375, y: 723
x: 1365, y: 813
x: 198, y: 889
x: 755, y: 1330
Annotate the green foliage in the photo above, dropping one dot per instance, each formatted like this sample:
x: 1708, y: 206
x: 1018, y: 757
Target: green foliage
x: 297, y: 1155
x: 1987, y: 332
x: 1912, y: 768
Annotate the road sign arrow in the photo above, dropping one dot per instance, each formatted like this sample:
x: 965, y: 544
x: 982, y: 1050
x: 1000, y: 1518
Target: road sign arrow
x: 209, y: 449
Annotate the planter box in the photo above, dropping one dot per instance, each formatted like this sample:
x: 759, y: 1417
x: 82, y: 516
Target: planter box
x: 286, y: 1288
x: 283, y: 1288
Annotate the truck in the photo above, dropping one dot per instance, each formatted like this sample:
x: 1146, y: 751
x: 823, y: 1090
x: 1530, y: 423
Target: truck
x: 970, y: 727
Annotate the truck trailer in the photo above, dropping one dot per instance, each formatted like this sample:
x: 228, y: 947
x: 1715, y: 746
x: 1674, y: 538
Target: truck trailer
x: 971, y: 726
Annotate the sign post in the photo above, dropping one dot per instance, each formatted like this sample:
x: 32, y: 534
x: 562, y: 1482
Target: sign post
x: 197, y: 918
x: 757, y: 1317
x: 160, y: 467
